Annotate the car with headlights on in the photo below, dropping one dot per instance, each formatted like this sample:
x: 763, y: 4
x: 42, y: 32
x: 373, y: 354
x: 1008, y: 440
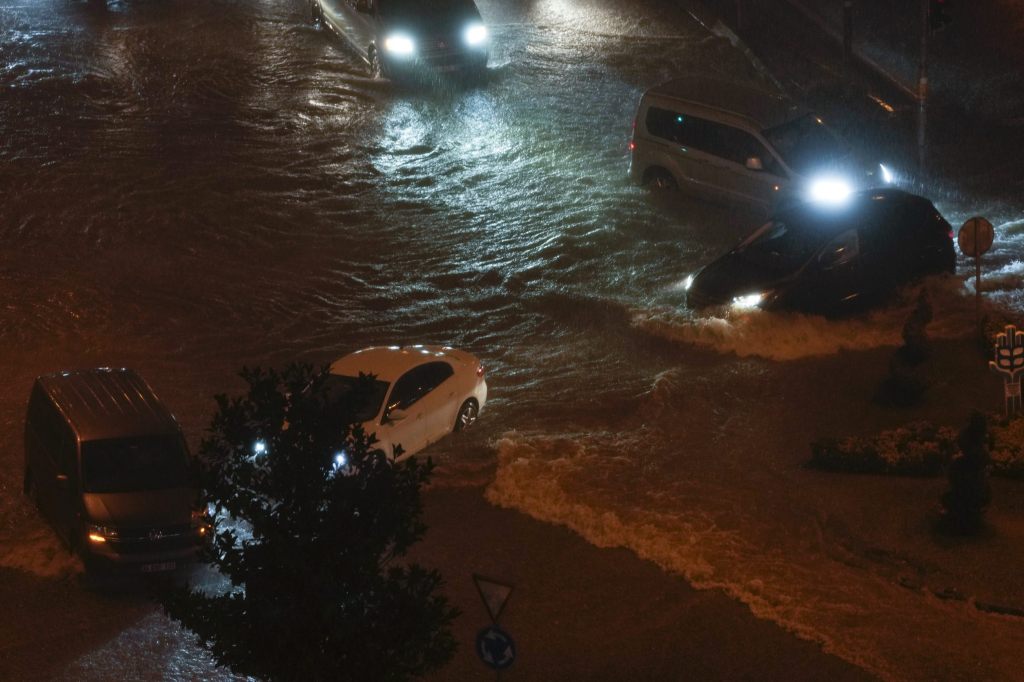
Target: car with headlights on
x: 419, y: 394
x: 737, y: 143
x: 830, y: 258
x: 106, y: 464
x: 410, y: 37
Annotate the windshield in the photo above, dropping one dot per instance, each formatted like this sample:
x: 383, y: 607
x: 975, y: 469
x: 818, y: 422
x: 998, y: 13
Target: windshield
x: 341, y: 388
x: 124, y: 465
x: 781, y: 245
x: 425, y: 9
x: 806, y: 143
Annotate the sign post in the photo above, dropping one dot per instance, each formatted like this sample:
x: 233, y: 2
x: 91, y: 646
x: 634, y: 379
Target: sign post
x: 494, y: 646
x: 975, y: 238
x: 1009, y: 353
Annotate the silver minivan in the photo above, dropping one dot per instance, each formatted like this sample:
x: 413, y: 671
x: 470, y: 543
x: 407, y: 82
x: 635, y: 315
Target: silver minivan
x: 107, y: 465
x: 736, y: 143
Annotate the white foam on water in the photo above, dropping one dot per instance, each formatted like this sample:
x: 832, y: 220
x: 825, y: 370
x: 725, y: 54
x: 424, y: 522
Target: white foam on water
x: 790, y: 336
x: 40, y: 552
x: 595, y: 485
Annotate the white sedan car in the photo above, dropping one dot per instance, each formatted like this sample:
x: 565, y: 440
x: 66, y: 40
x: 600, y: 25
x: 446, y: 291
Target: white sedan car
x: 421, y: 393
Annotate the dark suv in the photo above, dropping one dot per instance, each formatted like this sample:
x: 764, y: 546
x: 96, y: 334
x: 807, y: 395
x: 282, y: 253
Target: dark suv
x: 406, y: 37
x: 830, y: 259
x: 107, y: 466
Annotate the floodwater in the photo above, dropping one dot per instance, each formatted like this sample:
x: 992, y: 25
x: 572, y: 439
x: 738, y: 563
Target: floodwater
x: 188, y: 187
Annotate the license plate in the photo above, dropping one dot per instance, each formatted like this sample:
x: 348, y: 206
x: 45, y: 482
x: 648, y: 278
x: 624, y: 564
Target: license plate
x: 157, y: 568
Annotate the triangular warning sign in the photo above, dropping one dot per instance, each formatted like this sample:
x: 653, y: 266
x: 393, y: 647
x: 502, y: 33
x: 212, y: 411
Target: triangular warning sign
x: 493, y: 593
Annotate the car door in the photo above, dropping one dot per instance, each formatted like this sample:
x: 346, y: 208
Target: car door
x: 684, y: 144
x: 404, y: 416
x: 42, y: 443
x: 751, y: 174
x: 836, y: 279
x: 440, y: 402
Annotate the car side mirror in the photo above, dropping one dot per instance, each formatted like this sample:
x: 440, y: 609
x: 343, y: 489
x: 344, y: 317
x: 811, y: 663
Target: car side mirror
x: 754, y: 163
x: 396, y: 415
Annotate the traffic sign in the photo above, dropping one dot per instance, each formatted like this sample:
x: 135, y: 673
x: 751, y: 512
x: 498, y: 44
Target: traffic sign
x: 975, y: 237
x: 495, y: 648
x: 494, y: 595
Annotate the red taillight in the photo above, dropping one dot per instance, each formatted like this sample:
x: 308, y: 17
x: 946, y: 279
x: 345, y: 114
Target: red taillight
x: 480, y: 371
x: 632, y: 145
x: 950, y: 233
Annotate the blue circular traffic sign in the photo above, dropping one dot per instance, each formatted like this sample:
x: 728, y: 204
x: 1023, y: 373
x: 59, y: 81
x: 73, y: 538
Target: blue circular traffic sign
x: 495, y: 648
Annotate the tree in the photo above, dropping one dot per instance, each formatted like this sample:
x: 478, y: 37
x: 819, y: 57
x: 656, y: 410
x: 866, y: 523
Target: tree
x: 312, y: 525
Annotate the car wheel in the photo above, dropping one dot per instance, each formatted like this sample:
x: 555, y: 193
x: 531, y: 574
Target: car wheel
x: 316, y: 12
x: 467, y: 415
x: 662, y: 181
x: 376, y: 69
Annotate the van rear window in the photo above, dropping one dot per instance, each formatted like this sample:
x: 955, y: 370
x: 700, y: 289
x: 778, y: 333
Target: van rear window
x: 122, y: 465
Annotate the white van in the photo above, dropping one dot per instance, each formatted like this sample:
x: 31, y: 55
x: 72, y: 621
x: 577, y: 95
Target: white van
x: 735, y: 143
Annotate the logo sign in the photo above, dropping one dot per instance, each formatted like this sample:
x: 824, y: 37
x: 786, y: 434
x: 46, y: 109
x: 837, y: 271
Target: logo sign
x: 1009, y: 352
x: 495, y: 648
x: 494, y: 595
x: 975, y: 237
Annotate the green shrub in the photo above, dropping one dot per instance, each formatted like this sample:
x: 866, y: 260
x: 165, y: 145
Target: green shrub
x: 917, y: 449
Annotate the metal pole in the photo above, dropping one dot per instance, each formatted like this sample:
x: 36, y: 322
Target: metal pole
x: 922, y: 89
x: 977, y: 278
x: 977, y: 290
x: 847, y: 38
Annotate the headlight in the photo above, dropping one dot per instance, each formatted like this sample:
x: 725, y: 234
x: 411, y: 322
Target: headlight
x: 100, y: 534
x: 399, y: 44
x: 748, y: 301
x: 887, y: 176
x: 830, y: 190
x: 688, y: 282
x: 476, y: 34
x: 202, y: 521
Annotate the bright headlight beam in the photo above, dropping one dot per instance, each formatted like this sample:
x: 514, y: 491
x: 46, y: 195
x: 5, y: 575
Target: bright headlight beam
x: 887, y: 175
x: 399, y: 44
x: 476, y: 34
x: 830, y: 190
x: 747, y: 301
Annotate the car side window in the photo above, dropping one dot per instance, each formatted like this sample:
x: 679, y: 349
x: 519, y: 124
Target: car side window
x: 418, y: 382
x: 723, y: 141
x: 738, y: 145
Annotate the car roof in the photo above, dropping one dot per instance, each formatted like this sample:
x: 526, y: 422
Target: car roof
x: 763, y: 108
x: 388, y: 363
x: 873, y: 202
x: 108, y: 403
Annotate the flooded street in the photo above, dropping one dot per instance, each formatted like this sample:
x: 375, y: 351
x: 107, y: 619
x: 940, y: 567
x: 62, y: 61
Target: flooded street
x: 189, y: 187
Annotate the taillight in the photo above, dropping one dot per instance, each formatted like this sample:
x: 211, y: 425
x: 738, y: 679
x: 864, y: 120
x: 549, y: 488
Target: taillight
x: 950, y: 233
x: 480, y: 371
